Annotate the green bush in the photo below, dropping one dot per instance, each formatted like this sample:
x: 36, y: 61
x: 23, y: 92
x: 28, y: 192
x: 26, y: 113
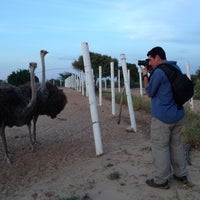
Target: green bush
x: 191, y: 128
x: 197, y: 90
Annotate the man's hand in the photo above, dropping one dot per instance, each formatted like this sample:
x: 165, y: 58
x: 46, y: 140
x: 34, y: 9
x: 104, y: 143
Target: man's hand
x: 144, y: 71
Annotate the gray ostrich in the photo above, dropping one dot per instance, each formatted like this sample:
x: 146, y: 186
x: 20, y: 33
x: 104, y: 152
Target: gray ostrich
x: 17, y: 105
x: 50, y: 99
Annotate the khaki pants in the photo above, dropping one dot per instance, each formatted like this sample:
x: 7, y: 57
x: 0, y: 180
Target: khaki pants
x: 167, y: 150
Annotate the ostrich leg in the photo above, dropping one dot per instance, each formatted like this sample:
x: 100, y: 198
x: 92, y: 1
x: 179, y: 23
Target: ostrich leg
x: 34, y: 142
x: 34, y: 127
x: 3, y: 138
x: 30, y: 135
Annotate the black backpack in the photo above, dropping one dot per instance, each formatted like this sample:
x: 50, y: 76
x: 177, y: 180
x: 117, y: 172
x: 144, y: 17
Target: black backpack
x: 182, y: 86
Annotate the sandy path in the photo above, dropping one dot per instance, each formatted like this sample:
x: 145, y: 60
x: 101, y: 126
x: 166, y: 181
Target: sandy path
x: 66, y: 164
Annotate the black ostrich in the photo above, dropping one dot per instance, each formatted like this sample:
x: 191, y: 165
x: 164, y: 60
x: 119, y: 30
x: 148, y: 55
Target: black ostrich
x: 16, y: 107
x: 50, y: 99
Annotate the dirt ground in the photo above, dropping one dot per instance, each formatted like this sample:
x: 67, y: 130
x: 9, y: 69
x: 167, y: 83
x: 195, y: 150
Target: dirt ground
x: 66, y: 165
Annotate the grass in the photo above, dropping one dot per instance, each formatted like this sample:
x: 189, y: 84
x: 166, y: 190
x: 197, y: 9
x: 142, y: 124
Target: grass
x: 191, y: 128
x: 73, y: 197
x: 139, y: 103
x: 114, y: 175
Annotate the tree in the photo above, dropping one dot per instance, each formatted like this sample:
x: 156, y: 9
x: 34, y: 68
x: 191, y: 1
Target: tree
x: 2, y: 82
x: 196, y: 80
x: 96, y: 61
x: 20, y: 77
x: 198, y: 73
x: 64, y: 75
x: 61, y: 79
x: 134, y: 76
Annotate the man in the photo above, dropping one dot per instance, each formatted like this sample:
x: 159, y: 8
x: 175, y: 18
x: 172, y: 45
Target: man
x: 166, y: 124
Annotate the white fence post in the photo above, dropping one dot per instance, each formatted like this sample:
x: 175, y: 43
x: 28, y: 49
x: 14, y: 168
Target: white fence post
x: 189, y: 76
x: 82, y: 83
x: 92, y: 99
x: 105, y: 82
x: 112, y: 87
x: 128, y: 93
x: 129, y: 80
x: 140, y: 80
x: 119, y: 87
x: 100, y: 85
x: 76, y: 82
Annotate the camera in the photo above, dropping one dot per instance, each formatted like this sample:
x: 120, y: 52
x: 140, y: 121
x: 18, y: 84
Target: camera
x: 144, y: 63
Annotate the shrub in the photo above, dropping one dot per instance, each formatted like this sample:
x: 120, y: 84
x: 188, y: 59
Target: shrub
x: 191, y: 128
x: 197, y: 90
x: 73, y: 197
x: 114, y: 175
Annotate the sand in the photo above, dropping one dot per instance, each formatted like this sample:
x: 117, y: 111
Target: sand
x: 65, y: 164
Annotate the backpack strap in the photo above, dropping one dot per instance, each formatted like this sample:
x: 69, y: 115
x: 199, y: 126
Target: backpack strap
x: 171, y: 71
x: 182, y: 86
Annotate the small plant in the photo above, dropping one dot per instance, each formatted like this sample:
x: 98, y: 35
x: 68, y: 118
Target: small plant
x: 73, y: 197
x: 148, y: 148
x: 114, y: 175
x: 109, y: 165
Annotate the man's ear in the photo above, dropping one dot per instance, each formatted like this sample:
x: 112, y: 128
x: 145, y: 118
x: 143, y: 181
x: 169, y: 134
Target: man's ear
x: 158, y: 59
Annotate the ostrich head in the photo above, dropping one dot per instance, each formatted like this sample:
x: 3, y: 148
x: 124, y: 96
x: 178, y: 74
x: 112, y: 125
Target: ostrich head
x: 55, y: 102
x: 43, y: 52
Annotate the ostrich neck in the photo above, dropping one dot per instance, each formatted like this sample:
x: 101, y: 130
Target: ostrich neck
x: 33, y: 86
x: 43, y: 71
x: 32, y: 102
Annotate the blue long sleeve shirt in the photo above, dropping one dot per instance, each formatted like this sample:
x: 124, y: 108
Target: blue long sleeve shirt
x: 163, y: 106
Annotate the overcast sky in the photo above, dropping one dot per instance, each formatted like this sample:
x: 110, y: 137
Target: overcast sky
x: 110, y: 27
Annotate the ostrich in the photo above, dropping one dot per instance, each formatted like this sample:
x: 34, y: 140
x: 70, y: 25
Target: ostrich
x: 50, y: 99
x: 17, y: 105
